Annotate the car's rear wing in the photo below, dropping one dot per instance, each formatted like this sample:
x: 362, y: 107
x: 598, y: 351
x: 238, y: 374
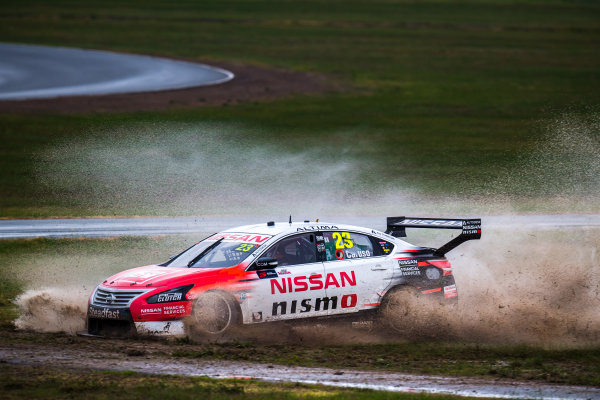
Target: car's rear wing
x: 471, y: 229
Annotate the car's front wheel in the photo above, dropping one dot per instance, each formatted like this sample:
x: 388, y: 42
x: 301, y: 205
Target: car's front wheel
x: 214, y: 316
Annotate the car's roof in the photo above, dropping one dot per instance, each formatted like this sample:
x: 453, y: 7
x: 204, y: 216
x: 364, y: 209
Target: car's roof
x: 283, y: 228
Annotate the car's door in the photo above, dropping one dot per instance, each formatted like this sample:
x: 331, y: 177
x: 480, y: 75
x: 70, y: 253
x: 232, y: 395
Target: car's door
x: 293, y: 289
x: 357, y: 270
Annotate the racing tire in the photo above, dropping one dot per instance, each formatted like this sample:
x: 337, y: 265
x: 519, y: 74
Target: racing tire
x: 215, y: 316
x: 408, y: 313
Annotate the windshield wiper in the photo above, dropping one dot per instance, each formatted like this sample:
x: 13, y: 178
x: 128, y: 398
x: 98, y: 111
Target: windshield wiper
x: 204, y: 252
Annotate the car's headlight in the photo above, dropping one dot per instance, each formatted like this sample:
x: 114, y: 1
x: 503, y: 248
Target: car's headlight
x: 170, y: 296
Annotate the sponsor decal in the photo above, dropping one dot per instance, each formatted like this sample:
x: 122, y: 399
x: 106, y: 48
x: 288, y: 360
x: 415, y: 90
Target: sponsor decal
x: 390, y: 237
x: 358, y: 254
x: 170, y: 328
x: 177, y: 294
x: 472, y: 226
x: 318, y: 304
x: 303, y: 283
x: 339, y: 254
x: 408, y: 262
x: 432, y: 222
x: 316, y: 228
x: 266, y: 274
x: 107, y: 313
x: 410, y: 271
x: 242, y: 296
x: 450, y: 291
x: 319, y: 238
x: 169, y: 297
x: 174, y: 310
x: 320, y: 247
x: 240, y: 237
x: 284, y: 272
x: 385, y: 247
x: 141, y: 277
x: 257, y: 316
x: 264, y: 263
x: 151, y: 310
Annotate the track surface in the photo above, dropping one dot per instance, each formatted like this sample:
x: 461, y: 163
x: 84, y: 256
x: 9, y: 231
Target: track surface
x: 389, y: 381
x: 107, y: 227
x: 36, y: 72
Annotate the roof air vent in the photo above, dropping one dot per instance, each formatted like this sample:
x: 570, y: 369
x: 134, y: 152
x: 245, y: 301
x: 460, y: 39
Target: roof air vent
x: 271, y: 223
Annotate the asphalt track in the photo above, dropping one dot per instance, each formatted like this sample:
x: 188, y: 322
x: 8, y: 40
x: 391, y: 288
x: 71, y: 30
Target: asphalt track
x: 151, y: 226
x: 36, y: 72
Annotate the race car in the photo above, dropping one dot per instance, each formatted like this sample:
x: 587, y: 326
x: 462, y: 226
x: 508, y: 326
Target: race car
x: 280, y: 271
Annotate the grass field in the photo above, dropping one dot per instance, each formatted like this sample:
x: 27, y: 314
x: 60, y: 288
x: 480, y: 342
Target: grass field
x: 442, y: 98
x: 21, y: 382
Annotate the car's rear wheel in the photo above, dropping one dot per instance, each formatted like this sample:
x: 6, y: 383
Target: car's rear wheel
x: 215, y: 315
x: 409, y: 313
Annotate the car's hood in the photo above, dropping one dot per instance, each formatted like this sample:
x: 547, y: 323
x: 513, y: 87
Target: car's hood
x: 155, y: 276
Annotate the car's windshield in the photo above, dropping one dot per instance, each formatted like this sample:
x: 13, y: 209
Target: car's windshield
x: 218, y: 251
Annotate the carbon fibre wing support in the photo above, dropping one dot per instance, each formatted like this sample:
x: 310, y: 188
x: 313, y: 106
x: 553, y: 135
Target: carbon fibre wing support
x: 470, y: 229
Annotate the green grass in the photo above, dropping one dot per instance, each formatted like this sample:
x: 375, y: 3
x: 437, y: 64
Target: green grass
x: 24, y: 382
x: 443, y: 97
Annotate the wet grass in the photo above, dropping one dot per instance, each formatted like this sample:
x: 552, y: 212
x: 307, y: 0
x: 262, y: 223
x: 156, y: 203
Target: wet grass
x: 24, y: 382
x: 441, y: 96
x: 523, y: 363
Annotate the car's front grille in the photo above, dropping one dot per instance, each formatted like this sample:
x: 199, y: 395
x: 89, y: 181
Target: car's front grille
x: 115, y: 297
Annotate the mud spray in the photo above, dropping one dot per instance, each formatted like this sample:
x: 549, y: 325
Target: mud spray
x: 515, y: 286
x: 52, y: 310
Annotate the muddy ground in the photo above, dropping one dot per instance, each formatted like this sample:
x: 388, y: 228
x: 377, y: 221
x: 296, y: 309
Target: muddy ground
x: 161, y: 357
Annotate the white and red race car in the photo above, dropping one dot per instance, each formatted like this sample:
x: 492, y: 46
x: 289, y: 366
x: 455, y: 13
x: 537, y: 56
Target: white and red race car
x: 276, y: 271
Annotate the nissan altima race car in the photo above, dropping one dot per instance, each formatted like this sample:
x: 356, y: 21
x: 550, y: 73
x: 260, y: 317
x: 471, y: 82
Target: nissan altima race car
x: 271, y: 272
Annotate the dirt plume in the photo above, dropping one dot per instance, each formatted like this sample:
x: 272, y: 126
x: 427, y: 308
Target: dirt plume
x: 52, y: 310
x: 524, y: 287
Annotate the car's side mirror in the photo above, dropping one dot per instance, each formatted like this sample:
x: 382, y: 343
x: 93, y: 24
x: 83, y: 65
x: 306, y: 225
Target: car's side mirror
x: 266, y: 263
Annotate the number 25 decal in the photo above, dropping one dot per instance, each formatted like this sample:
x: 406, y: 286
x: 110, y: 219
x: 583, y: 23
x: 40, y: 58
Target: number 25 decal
x: 342, y: 241
x: 244, y: 247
